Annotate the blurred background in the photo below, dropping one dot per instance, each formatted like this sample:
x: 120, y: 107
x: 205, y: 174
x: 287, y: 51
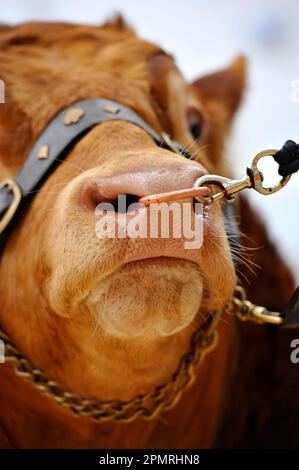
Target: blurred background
x: 205, y: 36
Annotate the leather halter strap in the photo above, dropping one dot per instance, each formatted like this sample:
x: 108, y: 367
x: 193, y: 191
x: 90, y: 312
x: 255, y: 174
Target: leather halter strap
x: 63, y: 131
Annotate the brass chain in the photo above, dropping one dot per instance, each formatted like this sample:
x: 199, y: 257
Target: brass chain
x: 146, y: 406
x: 163, y: 397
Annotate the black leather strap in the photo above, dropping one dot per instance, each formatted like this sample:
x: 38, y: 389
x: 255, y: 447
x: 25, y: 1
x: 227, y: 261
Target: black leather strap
x: 288, y: 158
x: 59, y: 137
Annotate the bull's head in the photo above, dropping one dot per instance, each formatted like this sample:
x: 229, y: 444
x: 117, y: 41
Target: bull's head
x: 109, y: 318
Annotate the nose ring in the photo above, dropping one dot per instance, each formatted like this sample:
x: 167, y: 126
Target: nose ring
x: 175, y: 195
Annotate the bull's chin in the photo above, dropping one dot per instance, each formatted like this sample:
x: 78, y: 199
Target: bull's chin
x: 147, y: 298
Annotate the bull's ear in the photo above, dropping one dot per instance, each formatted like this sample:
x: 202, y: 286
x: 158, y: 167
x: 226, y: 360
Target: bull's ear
x: 222, y: 91
x: 220, y: 94
x: 118, y: 23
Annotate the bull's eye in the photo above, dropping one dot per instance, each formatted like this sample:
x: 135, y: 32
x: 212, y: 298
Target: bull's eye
x: 195, y: 122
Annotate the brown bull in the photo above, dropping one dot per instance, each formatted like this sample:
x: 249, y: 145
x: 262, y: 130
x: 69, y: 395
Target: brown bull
x: 111, y: 319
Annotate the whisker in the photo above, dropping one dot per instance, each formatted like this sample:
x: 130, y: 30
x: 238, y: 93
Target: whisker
x: 76, y: 167
x: 243, y: 276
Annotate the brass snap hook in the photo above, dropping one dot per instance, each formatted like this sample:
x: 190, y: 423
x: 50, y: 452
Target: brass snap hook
x: 247, y: 311
x: 229, y: 187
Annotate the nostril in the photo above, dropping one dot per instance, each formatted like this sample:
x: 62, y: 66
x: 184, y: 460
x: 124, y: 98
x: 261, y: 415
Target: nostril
x: 124, y: 202
x: 91, y: 195
x: 96, y: 191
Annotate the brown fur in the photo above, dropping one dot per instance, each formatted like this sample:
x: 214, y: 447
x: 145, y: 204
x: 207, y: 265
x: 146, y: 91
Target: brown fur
x: 53, y: 260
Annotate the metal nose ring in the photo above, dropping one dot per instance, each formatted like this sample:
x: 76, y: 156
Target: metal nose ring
x: 202, y: 191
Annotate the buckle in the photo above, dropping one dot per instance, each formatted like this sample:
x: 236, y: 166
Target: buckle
x: 14, y: 188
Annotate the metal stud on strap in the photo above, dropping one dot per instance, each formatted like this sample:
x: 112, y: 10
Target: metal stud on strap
x: 12, y: 187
